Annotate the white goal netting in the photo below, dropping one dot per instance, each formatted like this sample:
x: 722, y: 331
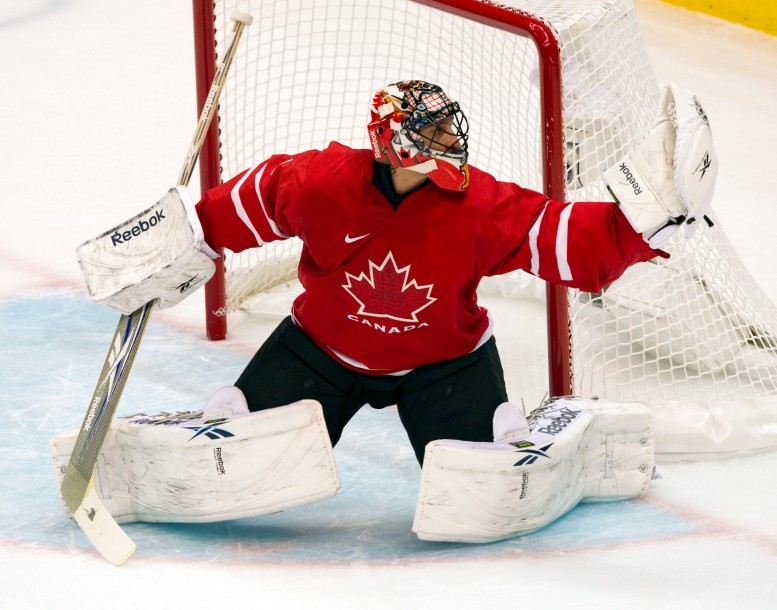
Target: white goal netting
x: 693, y: 336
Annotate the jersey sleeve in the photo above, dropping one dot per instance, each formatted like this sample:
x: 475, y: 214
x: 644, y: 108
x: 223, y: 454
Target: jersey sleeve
x: 582, y: 245
x: 254, y: 207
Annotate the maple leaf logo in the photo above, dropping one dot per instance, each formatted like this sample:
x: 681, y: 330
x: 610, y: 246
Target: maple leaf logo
x: 387, y: 293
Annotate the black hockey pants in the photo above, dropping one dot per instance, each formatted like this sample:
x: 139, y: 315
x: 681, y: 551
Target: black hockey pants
x: 453, y: 399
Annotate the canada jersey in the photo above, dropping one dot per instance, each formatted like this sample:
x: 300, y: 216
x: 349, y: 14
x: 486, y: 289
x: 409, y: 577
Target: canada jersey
x: 387, y: 290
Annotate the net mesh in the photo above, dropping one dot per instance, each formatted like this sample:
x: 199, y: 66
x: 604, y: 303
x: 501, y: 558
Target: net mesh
x: 695, y: 327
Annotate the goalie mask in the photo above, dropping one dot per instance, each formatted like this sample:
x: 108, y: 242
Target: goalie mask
x: 416, y: 126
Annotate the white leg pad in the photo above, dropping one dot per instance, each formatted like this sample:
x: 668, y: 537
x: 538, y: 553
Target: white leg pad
x: 191, y: 467
x: 578, y: 450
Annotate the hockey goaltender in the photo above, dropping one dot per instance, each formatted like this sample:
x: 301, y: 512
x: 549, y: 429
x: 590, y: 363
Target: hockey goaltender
x: 395, y: 241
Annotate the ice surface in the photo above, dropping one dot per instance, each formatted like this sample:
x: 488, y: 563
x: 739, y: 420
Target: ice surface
x: 96, y: 113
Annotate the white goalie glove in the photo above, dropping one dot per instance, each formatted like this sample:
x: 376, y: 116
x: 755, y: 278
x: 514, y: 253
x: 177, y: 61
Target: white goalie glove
x: 159, y: 254
x: 669, y: 179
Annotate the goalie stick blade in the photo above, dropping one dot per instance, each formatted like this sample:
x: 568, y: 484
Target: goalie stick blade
x: 101, y: 529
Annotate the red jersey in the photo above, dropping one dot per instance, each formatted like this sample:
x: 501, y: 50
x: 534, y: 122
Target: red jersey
x: 388, y: 290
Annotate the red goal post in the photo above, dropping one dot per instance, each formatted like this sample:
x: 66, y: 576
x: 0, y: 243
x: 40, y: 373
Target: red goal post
x: 556, y: 93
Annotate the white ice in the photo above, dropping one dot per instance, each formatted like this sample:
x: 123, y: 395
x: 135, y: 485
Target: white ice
x: 96, y: 110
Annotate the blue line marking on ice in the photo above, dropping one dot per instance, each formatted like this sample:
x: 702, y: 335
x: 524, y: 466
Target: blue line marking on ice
x: 52, y: 350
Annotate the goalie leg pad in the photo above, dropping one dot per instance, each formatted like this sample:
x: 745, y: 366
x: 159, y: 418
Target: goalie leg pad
x: 192, y: 468
x: 578, y: 450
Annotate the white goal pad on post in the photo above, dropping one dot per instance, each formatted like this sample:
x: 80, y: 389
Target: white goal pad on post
x: 693, y: 337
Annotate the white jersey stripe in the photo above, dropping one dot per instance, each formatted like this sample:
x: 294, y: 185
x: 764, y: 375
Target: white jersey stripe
x: 270, y: 221
x: 533, y: 235
x: 562, y: 237
x: 240, y: 208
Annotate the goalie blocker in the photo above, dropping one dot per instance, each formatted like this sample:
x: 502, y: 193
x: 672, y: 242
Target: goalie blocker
x: 160, y: 254
x: 212, y: 465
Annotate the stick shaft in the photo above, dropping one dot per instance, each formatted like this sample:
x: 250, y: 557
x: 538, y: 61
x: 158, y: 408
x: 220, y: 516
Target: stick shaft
x: 211, y: 104
x: 102, y: 407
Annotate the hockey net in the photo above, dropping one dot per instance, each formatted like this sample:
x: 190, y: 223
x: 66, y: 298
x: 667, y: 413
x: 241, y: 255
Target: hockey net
x: 693, y: 336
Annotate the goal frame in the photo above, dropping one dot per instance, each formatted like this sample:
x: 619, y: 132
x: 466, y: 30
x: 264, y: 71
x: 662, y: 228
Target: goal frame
x: 553, y: 168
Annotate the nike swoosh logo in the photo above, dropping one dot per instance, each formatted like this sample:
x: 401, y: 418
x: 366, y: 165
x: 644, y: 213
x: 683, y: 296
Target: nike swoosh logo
x: 350, y: 240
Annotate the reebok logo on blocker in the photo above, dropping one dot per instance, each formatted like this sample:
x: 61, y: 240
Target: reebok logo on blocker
x: 141, y: 227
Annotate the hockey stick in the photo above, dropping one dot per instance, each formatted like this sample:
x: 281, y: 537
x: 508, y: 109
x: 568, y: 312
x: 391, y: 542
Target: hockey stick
x: 77, y: 485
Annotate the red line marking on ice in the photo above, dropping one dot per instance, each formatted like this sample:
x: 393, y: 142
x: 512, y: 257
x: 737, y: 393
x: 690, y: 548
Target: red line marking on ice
x: 40, y: 277
x: 716, y: 527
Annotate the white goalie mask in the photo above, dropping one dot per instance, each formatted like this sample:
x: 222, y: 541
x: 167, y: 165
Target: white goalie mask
x: 416, y: 126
